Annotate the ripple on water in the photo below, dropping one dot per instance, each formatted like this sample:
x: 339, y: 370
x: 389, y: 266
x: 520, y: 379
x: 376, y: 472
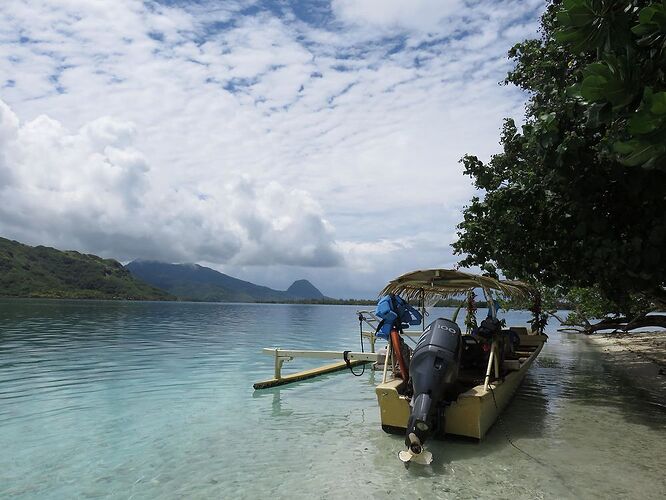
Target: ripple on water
x: 155, y: 400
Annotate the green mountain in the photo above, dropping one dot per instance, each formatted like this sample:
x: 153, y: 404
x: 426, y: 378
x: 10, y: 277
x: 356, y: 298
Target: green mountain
x: 195, y: 282
x: 303, y: 289
x: 27, y: 271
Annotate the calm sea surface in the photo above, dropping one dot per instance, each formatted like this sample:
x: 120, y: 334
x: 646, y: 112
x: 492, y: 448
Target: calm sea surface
x: 155, y: 400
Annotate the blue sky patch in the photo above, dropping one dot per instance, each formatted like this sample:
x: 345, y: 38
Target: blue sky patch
x: 260, y: 127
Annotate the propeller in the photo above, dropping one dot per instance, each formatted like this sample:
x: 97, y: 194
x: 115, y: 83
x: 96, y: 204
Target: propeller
x: 423, y: 458
x: 415, y: 452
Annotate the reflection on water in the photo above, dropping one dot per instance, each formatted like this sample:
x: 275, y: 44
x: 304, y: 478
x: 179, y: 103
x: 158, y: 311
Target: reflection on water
x: 146, y: 400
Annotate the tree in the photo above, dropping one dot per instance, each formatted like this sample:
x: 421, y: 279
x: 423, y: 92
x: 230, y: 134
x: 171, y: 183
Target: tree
x: 577, y: 198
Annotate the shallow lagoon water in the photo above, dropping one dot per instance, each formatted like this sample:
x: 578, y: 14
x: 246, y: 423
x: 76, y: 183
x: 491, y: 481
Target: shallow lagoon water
x: 155, y: 400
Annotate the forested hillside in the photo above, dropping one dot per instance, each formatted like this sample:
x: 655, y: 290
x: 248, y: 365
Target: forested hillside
x: 40, y: 271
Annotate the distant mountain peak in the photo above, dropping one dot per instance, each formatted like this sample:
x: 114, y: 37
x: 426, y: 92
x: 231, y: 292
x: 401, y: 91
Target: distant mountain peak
x: 195, y: 282
x: 303, y: 289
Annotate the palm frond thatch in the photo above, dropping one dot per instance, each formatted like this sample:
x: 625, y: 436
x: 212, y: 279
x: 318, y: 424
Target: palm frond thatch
x: 429, y: 284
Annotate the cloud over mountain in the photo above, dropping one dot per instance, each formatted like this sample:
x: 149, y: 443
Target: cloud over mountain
x: 92, y: 189
x: 253, y: 135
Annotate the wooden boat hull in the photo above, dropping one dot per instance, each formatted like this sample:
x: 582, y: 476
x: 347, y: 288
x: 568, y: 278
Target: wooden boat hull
x: 475, y: 410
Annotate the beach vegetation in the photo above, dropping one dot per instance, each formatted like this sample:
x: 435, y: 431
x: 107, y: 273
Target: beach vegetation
x: 44, y: 272
x: 576, y: 200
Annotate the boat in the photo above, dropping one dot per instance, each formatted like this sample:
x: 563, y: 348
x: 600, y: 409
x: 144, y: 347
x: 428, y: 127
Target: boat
x: 449, y: 382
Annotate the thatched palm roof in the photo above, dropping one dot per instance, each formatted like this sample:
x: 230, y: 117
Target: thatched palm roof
x: 440, y: 283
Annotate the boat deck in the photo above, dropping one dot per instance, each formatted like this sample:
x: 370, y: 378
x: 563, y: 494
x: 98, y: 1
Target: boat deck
x: 476, y: 408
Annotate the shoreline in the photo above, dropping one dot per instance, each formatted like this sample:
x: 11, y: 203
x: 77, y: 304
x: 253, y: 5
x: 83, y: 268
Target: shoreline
x: 640, y: 355
x: 332, y: 302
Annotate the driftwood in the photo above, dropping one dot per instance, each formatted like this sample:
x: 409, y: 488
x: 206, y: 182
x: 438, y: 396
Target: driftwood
x: 620, y: 324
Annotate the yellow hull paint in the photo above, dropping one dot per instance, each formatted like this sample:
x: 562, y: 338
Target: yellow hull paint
x: 474, y: 412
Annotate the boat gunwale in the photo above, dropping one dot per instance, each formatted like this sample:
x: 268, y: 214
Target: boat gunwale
x: 471, y: 402
x: 468, y: 393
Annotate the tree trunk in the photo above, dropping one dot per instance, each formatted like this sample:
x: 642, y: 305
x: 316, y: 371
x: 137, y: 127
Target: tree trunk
x: 625, y: 324
x: 558, y: 318
x: 659, y: 297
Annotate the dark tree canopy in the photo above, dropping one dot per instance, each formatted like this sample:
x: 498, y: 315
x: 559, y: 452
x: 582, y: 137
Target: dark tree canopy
x: 577, y: 197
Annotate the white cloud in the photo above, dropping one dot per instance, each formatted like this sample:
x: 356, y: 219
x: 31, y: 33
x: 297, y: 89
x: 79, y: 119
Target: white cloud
x: 421, y: 15
x: 251, y: 142
x: 92, y: 190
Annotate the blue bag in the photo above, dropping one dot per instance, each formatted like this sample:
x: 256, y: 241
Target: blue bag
x: 395, y: 311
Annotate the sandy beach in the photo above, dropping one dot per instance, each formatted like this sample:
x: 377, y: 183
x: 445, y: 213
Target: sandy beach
x: 641, y: 355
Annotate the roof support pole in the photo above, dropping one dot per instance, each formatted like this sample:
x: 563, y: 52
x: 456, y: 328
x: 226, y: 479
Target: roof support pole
x: 491, y: 362
x: 490, y: 302
x: 389, y: 354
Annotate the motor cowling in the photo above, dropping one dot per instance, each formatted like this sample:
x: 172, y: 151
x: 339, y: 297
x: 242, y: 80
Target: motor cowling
x: 434, y: 371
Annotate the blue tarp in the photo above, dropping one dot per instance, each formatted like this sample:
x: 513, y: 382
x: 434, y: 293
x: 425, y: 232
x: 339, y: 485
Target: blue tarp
x: 390, y: 308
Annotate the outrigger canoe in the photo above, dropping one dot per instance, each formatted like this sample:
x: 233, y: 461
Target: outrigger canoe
x: 449, y: 383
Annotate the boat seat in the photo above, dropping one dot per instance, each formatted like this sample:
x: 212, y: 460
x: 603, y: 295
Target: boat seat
x: 472, y: 354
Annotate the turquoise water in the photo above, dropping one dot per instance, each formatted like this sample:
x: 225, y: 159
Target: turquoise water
x: 155, y: 400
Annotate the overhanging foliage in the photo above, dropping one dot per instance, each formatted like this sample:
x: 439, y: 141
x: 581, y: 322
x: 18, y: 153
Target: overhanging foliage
x: 577, y: 197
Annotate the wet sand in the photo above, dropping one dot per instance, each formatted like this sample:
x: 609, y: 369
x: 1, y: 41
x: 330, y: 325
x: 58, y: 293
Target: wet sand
x: 641, y: 355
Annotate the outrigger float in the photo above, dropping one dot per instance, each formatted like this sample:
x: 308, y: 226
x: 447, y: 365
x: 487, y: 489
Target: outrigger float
x: 448, y: 383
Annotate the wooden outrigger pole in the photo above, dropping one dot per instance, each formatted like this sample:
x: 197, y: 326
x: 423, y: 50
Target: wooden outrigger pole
x: 349, y: 359
x: 355, y: 358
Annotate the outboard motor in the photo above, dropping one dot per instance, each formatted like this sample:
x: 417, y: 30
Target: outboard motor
x: 434, y: 371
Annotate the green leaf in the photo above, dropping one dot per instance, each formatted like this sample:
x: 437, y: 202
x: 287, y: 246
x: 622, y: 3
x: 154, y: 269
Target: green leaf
x: 609, y: 80
x: 642, y: 30
x: 593, y: 88
x: 651, y: 25
x: 574, y: 91
x: 598, y: 114
x: 575, y: 13
x: 566, y: 35
x: 643, y: 122
x: 645, y: 16
x: 636, y: 152
x: 598, y: 68
x: 567, y: 202
x: 572, y: 4
x: 623, y: 148
x: 580, y: 15
x: 659, y: 103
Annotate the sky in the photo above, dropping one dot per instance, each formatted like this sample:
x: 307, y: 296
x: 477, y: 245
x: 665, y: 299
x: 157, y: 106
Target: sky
x: 271, y: 140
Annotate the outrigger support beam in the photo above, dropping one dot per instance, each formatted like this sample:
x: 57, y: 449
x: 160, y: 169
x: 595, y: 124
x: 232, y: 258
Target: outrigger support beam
x: 348, y: 358
x: 289, y: 354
